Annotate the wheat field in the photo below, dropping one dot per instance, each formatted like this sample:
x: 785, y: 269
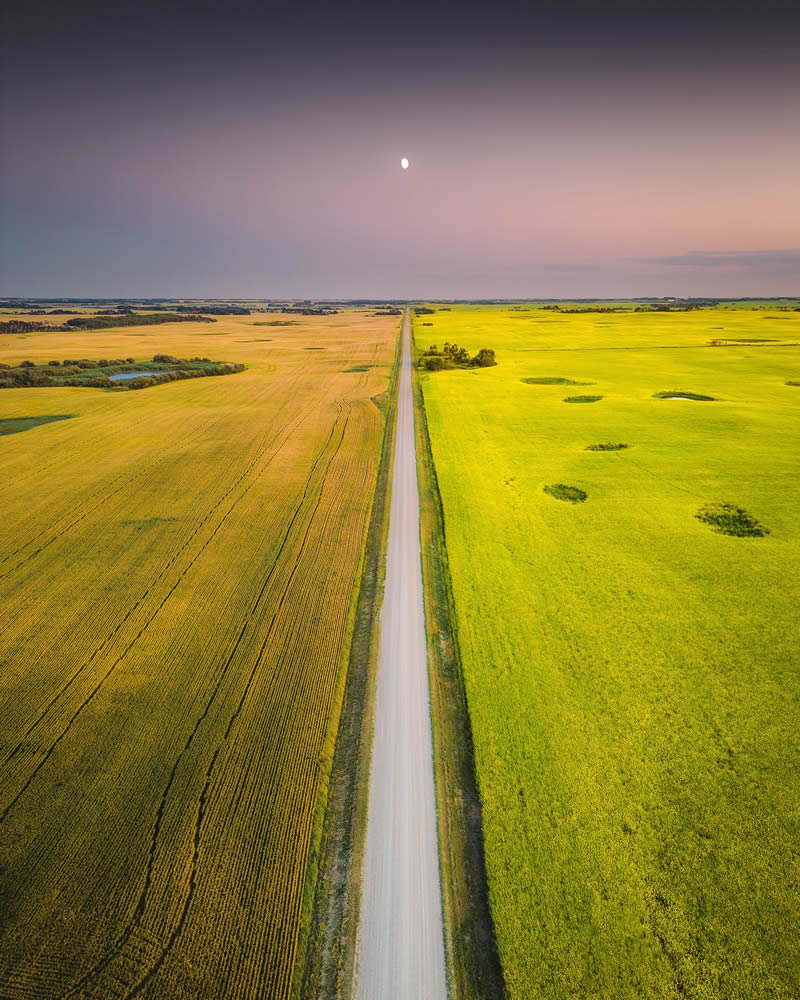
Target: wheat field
x: 177, y: 576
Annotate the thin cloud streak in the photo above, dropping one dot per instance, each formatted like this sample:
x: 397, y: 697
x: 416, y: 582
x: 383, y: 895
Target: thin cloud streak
x: 740, y: 260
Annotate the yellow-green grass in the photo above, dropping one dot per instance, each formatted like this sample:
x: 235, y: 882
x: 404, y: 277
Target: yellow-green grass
x: 631, y: 675
x: 178, y: 570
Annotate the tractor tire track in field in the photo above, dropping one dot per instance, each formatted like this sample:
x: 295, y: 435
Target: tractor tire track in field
x: 48, y: 753
x: 91, y: 978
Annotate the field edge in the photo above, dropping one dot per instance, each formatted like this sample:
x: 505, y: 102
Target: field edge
x: 325, y: 964
x: 473, y: 964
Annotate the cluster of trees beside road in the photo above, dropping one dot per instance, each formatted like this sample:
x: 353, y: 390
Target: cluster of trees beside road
x: 453, y: 356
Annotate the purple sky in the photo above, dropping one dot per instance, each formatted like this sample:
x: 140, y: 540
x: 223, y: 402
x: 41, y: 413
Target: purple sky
x: 553, y: 153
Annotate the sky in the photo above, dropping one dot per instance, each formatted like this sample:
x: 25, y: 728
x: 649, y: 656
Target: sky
x: 556, y: 150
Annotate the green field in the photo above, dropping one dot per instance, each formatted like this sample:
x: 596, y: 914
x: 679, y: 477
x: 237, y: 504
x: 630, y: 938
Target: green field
x: 178, y: 573
x: 631, y: 672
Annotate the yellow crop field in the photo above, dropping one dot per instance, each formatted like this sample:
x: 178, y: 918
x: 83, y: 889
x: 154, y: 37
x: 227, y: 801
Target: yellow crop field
x: 178, y: 569
x: 619, y: 500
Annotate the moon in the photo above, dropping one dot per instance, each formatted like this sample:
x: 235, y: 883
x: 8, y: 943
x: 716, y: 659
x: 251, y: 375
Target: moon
x: 404, y: 163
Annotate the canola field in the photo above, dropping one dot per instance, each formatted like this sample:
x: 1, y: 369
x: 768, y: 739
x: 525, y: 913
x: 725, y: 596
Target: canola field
x: 631, y: 670
x: 178, y: 570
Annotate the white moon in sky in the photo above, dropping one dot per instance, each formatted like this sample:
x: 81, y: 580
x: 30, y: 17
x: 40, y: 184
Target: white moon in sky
x: 404, y: 163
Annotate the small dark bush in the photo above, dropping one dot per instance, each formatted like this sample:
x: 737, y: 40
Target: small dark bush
x: 606, y: 446
x: 572, y: 494
x: 728, y: 519
x: 582, y: 399
x: 684, y: 395
x: 484, y: 358
x: 553, y: 381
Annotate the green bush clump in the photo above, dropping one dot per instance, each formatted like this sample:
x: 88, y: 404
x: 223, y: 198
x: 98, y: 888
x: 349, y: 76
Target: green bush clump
x: 728, y: 519
x: 572, y: 494
x: 582, y: 399
x: 453, y: 356
x: 606, y: 446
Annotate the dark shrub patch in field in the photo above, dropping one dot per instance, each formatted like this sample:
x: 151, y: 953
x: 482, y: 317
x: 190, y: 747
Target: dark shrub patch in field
x: 605, y: 446
x: 569, y: 493
x: 277, y: 322
x: 582, y: 399
x: 313, y: 348
x: 553, y: 381
x: 793, y: 383
x: 680, y: 394
x: 14, y: 425
x: 360, y: 368
x: 728, y: 519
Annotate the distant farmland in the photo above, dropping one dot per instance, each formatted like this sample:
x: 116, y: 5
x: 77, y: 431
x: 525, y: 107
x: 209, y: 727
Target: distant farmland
x: 626, y: 592
x: 177, y: 577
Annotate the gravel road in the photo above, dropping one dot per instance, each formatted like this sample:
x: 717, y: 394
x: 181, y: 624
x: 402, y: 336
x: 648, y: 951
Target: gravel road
x: 401, y: 949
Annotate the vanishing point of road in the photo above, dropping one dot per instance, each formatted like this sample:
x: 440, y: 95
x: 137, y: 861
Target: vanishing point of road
x: 401, y: 939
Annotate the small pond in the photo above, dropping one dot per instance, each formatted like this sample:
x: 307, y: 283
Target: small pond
x: 125, y: 376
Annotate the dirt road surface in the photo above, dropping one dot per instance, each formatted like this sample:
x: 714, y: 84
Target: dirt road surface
x: 401, y: 941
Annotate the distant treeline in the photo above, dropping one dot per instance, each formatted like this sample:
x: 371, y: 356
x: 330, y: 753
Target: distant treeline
x: 105, y: 321
x: 133, y: 319
x: 686, y: 306
x: 24, y: 326
x: 209, y: 310
x: 305, y: 310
